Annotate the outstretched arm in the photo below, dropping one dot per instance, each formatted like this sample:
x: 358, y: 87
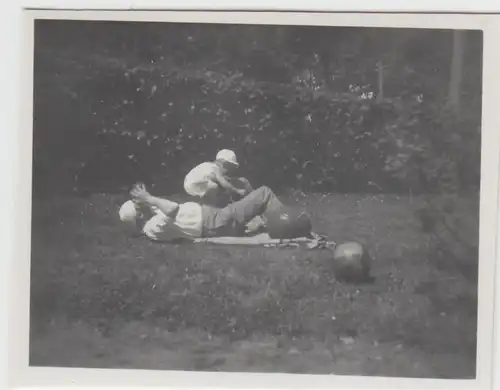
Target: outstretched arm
x: 219, y: 178
x: 141, y: 195
x: 244, y: 182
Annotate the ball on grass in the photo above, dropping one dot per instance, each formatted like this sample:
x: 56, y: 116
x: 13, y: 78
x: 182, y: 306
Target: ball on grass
x: 351, y: 262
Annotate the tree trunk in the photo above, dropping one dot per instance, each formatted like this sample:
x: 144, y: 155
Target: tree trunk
x: 456, y: 69
x: 380, y: 69
x: 325, y: 65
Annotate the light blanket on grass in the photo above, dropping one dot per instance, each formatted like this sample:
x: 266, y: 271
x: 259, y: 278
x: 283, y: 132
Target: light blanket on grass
x: 263, y: 239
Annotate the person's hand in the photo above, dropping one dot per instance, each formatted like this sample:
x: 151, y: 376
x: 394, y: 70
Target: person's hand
x: 139, y: 192
x: 241, y: 192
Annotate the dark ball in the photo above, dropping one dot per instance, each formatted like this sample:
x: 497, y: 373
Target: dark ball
x: 288, y: 223
x: 351, y: 262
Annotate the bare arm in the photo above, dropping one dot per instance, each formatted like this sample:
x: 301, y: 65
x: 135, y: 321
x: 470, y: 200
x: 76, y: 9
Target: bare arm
x: 166, y: 206
x: 246, y: 184
x: 219, y: 178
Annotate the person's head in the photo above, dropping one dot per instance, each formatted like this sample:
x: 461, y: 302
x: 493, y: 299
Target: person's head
x: 227, y: 160
x: 128, y: 212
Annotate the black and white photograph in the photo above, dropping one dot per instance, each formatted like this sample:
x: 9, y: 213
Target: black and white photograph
x: 256, y: 198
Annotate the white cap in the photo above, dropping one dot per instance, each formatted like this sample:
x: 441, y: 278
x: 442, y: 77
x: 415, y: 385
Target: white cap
x: 227, y: 155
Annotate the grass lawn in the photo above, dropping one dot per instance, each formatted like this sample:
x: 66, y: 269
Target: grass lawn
x: 104, y: 298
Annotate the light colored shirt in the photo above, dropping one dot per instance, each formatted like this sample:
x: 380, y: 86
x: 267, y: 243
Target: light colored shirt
x: 201, y: 179
x: 187, y: 223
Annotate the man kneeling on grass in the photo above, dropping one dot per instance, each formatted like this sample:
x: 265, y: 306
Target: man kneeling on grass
x: 191, y: 220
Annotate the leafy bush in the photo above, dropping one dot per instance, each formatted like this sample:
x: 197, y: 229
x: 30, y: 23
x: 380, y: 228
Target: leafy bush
x: 115, y: 112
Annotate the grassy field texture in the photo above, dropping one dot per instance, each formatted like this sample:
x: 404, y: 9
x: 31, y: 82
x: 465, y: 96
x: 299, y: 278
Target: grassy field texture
x: 103, y: 298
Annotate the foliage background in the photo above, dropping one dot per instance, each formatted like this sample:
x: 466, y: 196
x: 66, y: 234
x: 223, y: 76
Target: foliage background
x: 323, y: 109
